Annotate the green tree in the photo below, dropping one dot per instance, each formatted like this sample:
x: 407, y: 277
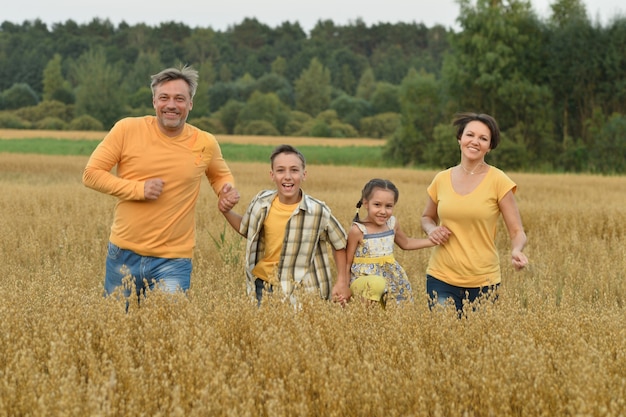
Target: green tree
x: 138, y: 75
x: 98, y: 92
x: 266, y: 107
x: 419, y: 104
x: 279, y: 66
x: 53, y: 80
x: 491, y: 68
x: 351, y: 109
x: 275, y: 83
x: 312, y: 89
x: 384, y: 99
x: 228, y: 114
x: 19, y: 95
x: 367, y: 85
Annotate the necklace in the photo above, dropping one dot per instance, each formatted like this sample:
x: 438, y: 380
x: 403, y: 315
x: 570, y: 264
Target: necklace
x: 472, y: 172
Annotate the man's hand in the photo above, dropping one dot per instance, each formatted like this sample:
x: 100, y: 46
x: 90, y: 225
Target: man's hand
x: 229, y: 197
x: 153, y: 188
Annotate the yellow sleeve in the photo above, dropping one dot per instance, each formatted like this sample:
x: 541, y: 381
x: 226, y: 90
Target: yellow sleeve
x: 217, y: 170
x: 97, y: 174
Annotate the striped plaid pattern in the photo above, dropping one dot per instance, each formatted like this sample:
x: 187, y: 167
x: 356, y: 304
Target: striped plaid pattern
x: 304, y: 261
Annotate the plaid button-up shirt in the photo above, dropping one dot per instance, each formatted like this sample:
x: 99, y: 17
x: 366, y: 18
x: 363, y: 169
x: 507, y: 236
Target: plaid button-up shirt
x: 304, y: 259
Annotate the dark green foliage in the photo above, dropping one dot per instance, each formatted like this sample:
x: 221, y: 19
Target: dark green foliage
x: 553, y: 85
x: 46, y: 108
x: 380, y: 126
x: 51, y: 123
x: 19, y: 95
x: 86, y: 122
x: 209, y: 124
x: 257, y: 128
x: 12, y: 121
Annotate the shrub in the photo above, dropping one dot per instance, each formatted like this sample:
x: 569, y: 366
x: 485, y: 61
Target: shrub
x: 257, y: 127
x: 46, y: 108
x: 12, y: 121
x: 380, y: 126
x: 19, y: 95
x: 209, y: 124
x: 86, y: 122
x: 51, y: 123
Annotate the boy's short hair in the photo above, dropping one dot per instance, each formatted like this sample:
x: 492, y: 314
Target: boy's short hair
x: 286, y: 149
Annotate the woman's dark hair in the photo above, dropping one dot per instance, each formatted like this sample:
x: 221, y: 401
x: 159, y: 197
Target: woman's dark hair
x: 369, y: 188
x: 462, y: 119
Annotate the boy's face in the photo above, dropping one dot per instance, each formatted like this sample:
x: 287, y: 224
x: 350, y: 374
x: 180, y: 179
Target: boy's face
x: 288, y: 173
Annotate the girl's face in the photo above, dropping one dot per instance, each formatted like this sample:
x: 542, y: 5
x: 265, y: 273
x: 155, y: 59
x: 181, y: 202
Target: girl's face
x: 380, y: 206
x: 475, y: 141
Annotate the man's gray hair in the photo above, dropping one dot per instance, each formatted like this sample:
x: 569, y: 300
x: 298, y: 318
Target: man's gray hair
x: 185, y: 73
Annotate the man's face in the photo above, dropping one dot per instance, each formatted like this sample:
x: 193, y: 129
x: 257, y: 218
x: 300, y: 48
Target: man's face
x: 172, y: 103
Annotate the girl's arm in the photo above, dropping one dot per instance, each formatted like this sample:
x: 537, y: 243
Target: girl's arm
x: 410, y: 243
x: 354, y: 237
x: 513, y: 221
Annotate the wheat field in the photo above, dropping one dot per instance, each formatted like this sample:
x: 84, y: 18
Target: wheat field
x: 553, y: 345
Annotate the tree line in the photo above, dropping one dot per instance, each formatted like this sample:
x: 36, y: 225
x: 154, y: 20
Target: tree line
x: 557, y: 86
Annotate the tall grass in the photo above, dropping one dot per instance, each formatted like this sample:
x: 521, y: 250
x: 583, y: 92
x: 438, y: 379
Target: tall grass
x: 553, y: 345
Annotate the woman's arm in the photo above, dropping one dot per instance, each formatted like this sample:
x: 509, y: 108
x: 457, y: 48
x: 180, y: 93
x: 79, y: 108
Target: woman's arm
x: 513, y: 221
x: 430, y: 224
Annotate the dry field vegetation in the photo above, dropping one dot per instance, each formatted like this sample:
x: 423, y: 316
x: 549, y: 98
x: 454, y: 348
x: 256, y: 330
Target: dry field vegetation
x: 554, y: 344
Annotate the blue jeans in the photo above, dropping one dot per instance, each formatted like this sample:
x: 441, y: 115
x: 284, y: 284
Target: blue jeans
x: 145, y: 272
x: 439, y: 292
x: 259, y: 287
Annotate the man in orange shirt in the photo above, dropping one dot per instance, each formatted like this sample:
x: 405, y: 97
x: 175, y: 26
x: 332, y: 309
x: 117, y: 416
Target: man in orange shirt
x: 160, y: 163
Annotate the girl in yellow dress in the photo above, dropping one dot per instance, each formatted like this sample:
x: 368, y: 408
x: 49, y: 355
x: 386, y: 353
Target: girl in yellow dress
x: 374, y: 272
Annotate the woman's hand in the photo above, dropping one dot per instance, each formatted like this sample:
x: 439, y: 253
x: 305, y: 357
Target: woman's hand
x: 439, y: 235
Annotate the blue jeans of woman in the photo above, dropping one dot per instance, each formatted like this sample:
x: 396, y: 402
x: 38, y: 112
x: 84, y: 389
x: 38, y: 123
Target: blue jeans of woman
x: 125, y: 268
x: 440, y: 292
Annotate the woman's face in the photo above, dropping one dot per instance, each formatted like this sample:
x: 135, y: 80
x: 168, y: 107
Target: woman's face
x: 475, y: 141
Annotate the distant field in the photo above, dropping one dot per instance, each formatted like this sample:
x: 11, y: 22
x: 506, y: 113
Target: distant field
x: 235, y: 139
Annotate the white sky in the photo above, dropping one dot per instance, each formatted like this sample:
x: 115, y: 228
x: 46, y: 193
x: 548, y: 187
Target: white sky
x: 220, y: 15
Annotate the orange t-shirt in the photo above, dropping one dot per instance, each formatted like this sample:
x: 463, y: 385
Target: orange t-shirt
x: 164, y: 227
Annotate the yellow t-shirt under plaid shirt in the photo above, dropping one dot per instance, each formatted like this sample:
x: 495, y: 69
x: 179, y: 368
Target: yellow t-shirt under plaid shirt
x: 274, y: 230
x: 304, y: 255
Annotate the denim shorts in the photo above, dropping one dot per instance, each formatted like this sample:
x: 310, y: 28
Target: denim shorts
x: 125, y: 268
x: 440, y: 292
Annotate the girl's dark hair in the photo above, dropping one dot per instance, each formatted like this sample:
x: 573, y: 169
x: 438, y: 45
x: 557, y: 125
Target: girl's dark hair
x: 462, y: 119
x: 369, y: 188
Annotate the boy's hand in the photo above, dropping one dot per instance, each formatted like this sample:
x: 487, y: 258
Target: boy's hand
x: 341, y: 293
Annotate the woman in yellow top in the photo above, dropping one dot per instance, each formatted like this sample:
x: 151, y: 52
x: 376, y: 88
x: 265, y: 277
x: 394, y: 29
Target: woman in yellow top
x: 461, y: 217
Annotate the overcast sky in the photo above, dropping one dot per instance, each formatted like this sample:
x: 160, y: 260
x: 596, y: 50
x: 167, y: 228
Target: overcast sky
x: 220, y: 15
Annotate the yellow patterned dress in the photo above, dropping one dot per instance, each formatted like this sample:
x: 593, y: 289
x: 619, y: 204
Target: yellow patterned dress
x: 374, y: 256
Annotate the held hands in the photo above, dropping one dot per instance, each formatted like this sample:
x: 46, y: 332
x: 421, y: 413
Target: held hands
x: 439, y: 235
x: 341, y: 293
x: 518, y: 259
x: 228, y: 198
x: 153, y: 188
